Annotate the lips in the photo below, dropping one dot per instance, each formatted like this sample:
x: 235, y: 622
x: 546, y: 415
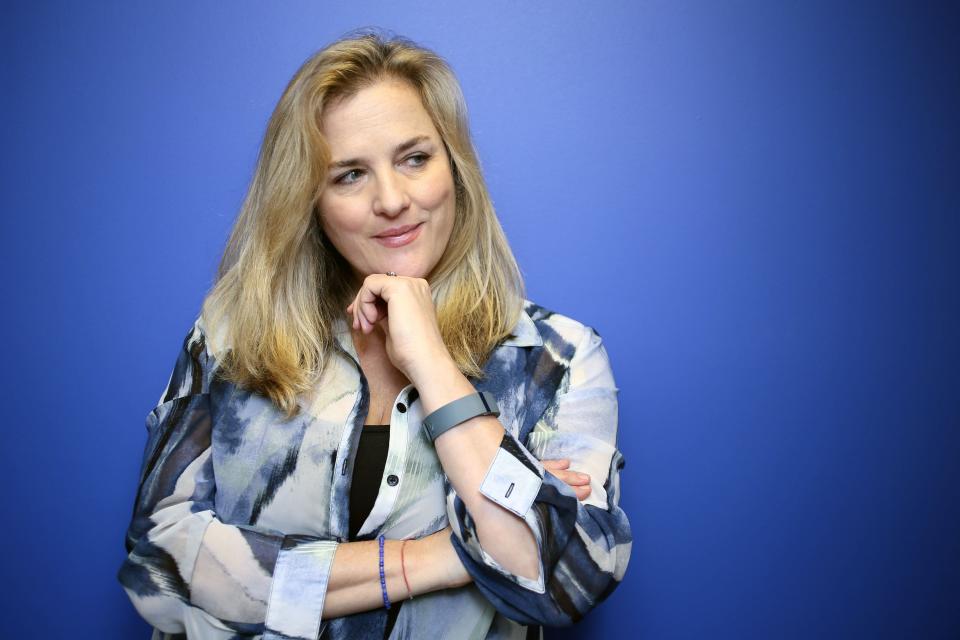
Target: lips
x: 397, y: 231
x: 399, y: 236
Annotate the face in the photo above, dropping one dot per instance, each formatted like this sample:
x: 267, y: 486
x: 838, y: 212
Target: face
x: 389, y: 200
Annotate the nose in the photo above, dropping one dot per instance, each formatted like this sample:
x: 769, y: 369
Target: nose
x: 391, y: 198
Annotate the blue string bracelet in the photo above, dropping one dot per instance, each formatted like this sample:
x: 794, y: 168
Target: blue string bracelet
x: 383, y: 578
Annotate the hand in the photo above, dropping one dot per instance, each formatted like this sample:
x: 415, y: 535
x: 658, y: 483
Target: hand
x: 403, y: 309
x: 579, y: 481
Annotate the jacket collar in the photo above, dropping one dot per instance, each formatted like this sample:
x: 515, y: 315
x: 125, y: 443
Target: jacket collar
x: 525, y: 333
x: 341, y: 331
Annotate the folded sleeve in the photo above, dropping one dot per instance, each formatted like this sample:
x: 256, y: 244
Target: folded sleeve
x: 583, y: 546
x: 188, y: 572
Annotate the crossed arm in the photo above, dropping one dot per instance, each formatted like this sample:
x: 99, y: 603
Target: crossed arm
x: 556, y: 542
x: 185, y: 567
x: 431, y: 564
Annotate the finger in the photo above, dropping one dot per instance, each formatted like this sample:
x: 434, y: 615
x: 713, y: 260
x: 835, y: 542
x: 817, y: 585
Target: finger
x: 380, y: 284
x: 367, y: 302
x: 377, y: 314
x: 581, y: 491
x: 375, y: 285
x: 369, y: 313
x: 382, y: 309
x: 561, y: 463
x: 359, y: 314
x: 575, y: 479
x: 365, y: 325
x: 361, y: 320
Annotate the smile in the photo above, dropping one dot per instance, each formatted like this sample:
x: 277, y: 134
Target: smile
x: 400, y: 240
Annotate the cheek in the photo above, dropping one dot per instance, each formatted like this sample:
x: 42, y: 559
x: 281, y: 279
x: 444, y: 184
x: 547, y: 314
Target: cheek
x: 437, y: 194
x: 340, y: 218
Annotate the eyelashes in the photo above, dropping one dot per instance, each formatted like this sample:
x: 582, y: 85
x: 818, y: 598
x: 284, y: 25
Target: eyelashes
x: 421, y: 159
x: 344, y: 178
x: 351, y: 177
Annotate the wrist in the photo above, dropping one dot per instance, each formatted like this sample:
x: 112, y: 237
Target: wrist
x: 432, y: 564
x: 440, y: 386
x: 422, y: 566
x: 437, y: 366
x: 393, y: 565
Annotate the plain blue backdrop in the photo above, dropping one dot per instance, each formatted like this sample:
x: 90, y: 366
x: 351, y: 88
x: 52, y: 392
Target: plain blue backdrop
x: 756, y: 204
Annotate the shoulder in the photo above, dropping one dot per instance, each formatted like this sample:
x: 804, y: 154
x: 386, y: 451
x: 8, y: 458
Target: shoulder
x: 201, y: 351
x: 560, y: 333
x: 194, y: 366
x: 215, y: 335
x: 576, y: 346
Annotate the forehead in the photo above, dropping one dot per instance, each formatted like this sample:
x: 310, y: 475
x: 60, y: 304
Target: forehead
x: 379, y: 115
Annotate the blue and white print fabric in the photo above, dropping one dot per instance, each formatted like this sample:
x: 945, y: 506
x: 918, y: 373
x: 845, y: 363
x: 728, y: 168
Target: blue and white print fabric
x: 239, y: 511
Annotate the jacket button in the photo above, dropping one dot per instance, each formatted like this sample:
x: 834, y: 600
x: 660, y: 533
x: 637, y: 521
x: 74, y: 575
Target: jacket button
x: 392, y: 480
x: 402, y: 408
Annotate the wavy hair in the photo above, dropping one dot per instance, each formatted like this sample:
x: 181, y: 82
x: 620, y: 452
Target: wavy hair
x: 281, y: 285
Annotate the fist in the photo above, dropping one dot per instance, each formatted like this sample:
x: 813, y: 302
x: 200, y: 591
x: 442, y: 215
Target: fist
x: 403, y: 309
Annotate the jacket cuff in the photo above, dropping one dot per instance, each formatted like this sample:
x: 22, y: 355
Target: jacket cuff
x: 299, y: 588
x: 513, y: 481
x: 514, y: 477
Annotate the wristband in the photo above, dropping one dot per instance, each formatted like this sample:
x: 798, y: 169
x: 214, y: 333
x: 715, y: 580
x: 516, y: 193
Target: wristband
x: 453, y: 413
x: 383, y: 579
x: 403, y: 568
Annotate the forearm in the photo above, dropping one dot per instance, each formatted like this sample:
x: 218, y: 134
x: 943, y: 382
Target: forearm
x: 466, y: 453
x: 431, y: 564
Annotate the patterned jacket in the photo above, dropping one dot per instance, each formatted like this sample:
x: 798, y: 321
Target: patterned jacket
x: 239, y: 511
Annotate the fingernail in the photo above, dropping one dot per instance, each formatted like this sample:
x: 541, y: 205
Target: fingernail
x: 582, y: 476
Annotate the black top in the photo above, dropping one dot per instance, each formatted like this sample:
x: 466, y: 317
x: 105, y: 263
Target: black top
x: 367, y: 473
x: 365, y: 485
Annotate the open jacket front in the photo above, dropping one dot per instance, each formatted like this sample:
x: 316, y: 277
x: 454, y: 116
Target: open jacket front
x: 240, y: 511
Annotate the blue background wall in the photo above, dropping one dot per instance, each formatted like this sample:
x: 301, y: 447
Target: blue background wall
x: 756, y: 204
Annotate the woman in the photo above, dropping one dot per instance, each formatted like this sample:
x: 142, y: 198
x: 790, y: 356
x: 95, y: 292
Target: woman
x: 367, y: 291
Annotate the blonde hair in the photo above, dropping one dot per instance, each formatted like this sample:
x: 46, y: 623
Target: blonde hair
x: 281, y: 285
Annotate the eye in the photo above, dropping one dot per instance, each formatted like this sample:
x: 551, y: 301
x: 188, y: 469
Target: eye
x: 417, y: 159
x: 349, y: 177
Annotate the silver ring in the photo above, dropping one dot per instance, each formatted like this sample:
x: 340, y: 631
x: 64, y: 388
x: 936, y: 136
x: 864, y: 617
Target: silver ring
x: 391, y: 273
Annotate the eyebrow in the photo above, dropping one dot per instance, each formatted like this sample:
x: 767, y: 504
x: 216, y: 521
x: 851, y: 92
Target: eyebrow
x: 400, y: 148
